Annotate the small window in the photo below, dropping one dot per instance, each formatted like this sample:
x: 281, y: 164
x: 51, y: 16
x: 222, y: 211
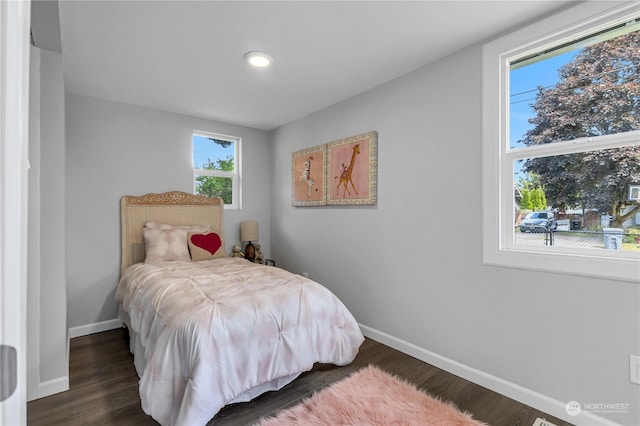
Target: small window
x: 561, y: 125
x: 216, y: 167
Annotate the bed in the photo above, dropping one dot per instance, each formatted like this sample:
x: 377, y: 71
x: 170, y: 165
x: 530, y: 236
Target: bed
x: 207, y: 333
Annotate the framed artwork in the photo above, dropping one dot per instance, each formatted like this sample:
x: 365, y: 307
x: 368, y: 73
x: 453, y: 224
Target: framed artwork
x: 352, y: 170
x: 307, y: 176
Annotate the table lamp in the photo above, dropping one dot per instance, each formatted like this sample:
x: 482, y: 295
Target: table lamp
x: 249, y: 232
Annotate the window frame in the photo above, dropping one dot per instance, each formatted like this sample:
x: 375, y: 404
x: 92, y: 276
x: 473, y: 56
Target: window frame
x: 498, y: 158
x: 235, y: 176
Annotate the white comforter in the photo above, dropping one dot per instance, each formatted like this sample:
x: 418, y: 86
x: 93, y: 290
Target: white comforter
x: 215, y: 330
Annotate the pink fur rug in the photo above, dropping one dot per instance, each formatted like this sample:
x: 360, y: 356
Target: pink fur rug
x: 371, y: 397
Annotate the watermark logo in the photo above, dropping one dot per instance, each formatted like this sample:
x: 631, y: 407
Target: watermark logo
x: 573, y: 408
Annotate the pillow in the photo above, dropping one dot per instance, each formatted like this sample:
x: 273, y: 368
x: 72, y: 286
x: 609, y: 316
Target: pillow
x: 163, y: 245
x: 205, y: 246
x: 193, y: 228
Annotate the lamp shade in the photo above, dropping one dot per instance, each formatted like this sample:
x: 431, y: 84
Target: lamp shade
x: 249, y: 230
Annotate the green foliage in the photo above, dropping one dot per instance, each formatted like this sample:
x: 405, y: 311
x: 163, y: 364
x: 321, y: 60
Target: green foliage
x: 598, y: 94
x: 225, y: 165
x: 525, y: 203
x: 534, y: 195
x: 529, y: 181
x: 543, y: 199
x: 216, y: 186
x: 632, y: 235
x: 533, y: 199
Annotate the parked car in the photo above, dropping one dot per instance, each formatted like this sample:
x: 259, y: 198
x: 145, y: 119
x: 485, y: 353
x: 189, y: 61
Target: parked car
x: 538, y: 222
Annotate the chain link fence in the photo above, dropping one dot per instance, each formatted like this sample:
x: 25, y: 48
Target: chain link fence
x: 608, y: 239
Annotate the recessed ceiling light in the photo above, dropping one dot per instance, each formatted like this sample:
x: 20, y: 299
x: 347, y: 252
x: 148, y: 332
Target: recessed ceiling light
x: 259, y: 59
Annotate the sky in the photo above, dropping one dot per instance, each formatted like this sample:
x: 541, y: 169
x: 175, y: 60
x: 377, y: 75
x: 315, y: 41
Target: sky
x: 205, y: 149
x: 523, y: 89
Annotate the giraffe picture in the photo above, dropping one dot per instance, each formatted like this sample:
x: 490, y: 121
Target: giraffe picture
x: 352, y: 170
x: 307, y: 174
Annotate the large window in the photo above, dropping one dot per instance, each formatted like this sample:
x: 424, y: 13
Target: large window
x: 561, y: 125
x: 216, y: 167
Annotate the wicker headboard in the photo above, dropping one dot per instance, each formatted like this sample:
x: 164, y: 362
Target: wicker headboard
x: 175, y: 208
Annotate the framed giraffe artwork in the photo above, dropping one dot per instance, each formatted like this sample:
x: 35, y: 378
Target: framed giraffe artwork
x: 352, y: 170
x: 307, y: 175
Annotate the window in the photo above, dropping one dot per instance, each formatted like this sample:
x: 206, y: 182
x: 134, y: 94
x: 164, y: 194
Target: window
x: 216, y: 167
x: 561, y: 125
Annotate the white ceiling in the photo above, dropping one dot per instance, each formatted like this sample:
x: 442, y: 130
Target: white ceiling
x: 187, y: 57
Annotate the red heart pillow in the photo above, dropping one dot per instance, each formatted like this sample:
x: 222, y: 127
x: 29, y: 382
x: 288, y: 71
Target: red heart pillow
x: 209, y: 242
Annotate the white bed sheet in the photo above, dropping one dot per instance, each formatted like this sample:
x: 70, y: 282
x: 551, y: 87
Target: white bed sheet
x: 226, y: 330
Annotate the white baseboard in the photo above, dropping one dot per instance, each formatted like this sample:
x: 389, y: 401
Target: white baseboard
x: 51, y: 387
x: 96, y: 327
x: 519, y: 393
x: 61, y: 384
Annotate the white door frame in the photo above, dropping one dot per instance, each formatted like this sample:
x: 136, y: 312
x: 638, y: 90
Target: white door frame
x: 15, y: 22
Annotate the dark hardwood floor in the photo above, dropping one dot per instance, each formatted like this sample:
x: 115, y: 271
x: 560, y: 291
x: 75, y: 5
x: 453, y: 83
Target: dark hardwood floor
x: 104, y: 389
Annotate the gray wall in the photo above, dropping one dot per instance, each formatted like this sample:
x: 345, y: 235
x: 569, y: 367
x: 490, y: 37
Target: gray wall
x: 411, y: 267
x: 115, y: 149
x: 47, y: 363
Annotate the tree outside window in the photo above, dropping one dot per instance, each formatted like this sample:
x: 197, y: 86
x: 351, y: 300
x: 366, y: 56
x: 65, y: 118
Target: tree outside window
x: 215, y: 167
x: 597, y: 94
x: 561, y: 113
